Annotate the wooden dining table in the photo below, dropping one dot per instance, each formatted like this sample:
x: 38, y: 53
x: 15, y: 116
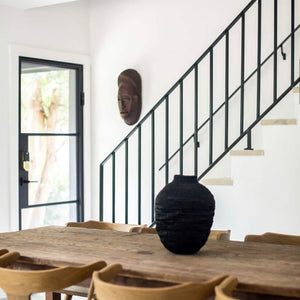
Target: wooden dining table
x: 260, y: 268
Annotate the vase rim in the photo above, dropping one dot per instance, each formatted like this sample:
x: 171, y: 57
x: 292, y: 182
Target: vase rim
x: 185, y: 178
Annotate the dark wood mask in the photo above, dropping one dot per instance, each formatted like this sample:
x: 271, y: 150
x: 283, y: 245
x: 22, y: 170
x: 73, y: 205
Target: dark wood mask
x: 130, y: 96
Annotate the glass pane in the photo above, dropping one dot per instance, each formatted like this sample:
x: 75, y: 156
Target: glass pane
x: 53, y: 165
x: 48, y: 215
x: 48, y: 101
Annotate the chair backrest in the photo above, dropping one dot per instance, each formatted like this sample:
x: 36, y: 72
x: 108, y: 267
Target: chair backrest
x: 8, y: 258
x: 222, y: 235
x: 107, y: 290
x: 3, y: 251
x: 103, y: 225
x: 20, y: 284
x: 143, y: 229
x: 224, y: 290
x: 274, y: 238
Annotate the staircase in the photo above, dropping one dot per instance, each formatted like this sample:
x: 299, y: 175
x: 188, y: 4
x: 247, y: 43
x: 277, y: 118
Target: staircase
x: 264, y: 191
x: 211, y: 112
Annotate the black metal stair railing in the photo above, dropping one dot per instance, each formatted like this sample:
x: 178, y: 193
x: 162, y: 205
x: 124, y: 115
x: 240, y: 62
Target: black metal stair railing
x: 210, y: 120
x: 225, y: 104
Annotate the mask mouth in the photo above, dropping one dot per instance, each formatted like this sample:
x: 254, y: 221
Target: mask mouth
x: 123, y: 113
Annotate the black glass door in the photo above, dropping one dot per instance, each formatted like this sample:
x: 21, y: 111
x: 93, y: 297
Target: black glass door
x: 50, y: 142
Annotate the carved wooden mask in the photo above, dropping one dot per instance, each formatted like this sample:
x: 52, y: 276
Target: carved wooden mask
x: 130, y: 96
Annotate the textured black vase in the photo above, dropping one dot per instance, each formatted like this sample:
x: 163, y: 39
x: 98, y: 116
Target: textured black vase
x: 184, y: 211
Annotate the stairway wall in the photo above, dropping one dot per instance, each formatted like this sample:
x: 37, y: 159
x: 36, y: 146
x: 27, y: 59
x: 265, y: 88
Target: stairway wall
x: 265, y: 192
x: 161, y: 40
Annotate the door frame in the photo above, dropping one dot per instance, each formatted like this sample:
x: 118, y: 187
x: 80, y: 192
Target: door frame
x: 15, y: 51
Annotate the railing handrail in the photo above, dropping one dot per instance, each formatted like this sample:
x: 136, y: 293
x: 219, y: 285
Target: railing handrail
x: 233, y: 93
x: 206, y: 52
x: 250, y: 128
x: 213, y: 109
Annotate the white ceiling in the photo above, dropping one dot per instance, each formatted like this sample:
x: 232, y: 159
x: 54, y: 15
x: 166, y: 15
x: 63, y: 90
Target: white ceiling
x: 26, y: 4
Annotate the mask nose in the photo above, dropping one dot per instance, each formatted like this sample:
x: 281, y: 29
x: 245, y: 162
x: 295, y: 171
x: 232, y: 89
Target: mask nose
x: 123, y: 105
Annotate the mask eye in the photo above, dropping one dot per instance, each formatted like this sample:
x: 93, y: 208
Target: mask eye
x: 125, y: 98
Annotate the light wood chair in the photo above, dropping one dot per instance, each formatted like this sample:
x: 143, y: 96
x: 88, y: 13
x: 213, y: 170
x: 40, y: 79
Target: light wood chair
x: 3, y: 251
x: 8, y: 258
x: 91, y: 224
x: 223, y: 235
x: 107, y: 290
x: 220, y: 235
x: 274, y: 238
x: 224, y: 290
x: 20, y: 284
x: 144, y: 229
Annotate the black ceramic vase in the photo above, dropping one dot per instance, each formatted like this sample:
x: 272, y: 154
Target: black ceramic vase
x: 184, y: 211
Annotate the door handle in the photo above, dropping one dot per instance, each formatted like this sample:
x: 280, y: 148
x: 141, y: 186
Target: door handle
x: 25, y: 181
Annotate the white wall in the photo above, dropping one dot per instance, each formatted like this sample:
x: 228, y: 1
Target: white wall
x: 60, y: 28
x: 265, y: 193
x: 160, y: 39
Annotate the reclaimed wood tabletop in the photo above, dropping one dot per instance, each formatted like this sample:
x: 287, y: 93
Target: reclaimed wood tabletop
x: 259, y: 267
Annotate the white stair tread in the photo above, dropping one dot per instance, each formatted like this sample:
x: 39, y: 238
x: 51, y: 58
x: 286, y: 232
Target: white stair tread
x: 279, y: 122
x: 247, y: 152
x: 217, y: 181
x: 296, y: 89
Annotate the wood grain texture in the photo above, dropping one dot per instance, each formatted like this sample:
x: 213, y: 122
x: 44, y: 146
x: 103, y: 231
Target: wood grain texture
x: 20, y: 284
x: 225, y: 289
x: 108, y: 290
x: 279, y: 122
x: 92, y: 224
x: 259, y: 267
x: 274, y: 238
x: 217, y: 181
x: 296, y: 89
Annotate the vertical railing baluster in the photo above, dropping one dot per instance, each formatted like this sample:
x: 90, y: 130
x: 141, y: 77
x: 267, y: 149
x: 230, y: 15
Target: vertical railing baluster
x: 275, y: 51
x: 226, y: 87
x: 181, y: 128
x: 167, y: 140
x: 126, y: 181
x: 211, y: 108
x: 196, y: 123
x: 292, y: 41
x: 139, y: 172
x: 258, y: 81
x: 101, y: 173
x: 152, y: 163
x: 113, y: 187
x: 242, y: 108
x: 249, y: 141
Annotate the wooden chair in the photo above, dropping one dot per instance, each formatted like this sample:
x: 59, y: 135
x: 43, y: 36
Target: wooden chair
x: 224, y: 290
x: 144, y: 230
x: 274, y: 238
x: 104, y: 225
x: 3, y: 251
x: 8, y: 258
x: 92, y: 224
x: 20, y: 284
x: 107, y: 290
x: 221, y: 235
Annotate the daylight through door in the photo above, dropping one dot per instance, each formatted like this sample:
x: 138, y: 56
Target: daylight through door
x: 50, y: 143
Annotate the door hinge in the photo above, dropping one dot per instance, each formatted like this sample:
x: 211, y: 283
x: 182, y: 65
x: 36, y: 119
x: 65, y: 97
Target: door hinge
x: 82, y: 98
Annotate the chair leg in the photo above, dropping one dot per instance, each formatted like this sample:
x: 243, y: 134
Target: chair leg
x: 68, y: 297
x: 91, y: 291
x: 53, y: 296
